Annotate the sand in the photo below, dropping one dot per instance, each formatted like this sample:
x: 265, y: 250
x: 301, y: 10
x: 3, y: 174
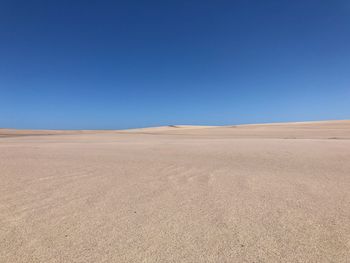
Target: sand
x: 250, y: 193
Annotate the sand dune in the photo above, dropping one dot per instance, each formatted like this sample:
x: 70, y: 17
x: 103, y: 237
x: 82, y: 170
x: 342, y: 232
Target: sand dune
x: 297, y: 130
x: 247, y: 193
x: 166, y: 129
x: 16, y: 132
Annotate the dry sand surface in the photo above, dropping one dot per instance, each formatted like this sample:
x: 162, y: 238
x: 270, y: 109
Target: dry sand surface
x: 250, y: 193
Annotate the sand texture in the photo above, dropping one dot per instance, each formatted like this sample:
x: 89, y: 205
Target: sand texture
x: 249, y: 193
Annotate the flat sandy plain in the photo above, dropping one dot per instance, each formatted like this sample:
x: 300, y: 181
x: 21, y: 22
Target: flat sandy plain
x: 249, y: 193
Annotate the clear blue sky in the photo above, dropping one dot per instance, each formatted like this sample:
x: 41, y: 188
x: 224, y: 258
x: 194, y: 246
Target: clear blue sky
x: 119, y: 64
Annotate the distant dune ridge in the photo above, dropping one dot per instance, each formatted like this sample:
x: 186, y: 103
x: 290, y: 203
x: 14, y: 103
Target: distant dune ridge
x: 320, y: 129
x: 179, y: 193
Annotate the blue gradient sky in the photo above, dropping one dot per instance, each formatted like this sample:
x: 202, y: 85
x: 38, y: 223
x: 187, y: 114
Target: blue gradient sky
x: 122, y: 64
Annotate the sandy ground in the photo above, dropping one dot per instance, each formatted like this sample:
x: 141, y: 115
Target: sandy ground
x: 251, y: 193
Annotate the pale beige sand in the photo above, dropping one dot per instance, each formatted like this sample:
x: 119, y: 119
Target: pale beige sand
x: 252, y: 193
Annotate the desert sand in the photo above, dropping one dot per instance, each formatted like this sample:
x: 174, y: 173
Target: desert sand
x: 246, y: 193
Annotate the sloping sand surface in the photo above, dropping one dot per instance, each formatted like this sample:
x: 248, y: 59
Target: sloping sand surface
x: 249, y: 193
x: 297, y: 130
